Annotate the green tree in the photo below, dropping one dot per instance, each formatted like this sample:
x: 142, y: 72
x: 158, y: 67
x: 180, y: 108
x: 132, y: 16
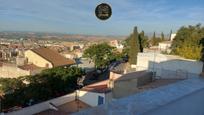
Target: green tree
x: 141, y: 38
x: 48, y: 84
x: 126, y: 44
x: 170, y: 35
x: 162, y: 36
x: 134, y: 47
x: 10, y: 84
x: 155, y: 40
x: 188, y: 42
x: 100, y: 54
x: 143, y: 41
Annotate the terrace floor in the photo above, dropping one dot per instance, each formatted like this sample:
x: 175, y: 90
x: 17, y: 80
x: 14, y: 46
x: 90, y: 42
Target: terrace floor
x: 66, y: 109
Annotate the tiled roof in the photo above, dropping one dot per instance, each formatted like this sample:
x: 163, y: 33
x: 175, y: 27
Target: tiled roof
x: 29, y: 67
x: 52, y: 56
x: 1, y: 64
x: 99, y: 87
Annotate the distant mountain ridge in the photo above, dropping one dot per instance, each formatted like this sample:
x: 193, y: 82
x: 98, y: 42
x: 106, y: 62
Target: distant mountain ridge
x: 60, y: 36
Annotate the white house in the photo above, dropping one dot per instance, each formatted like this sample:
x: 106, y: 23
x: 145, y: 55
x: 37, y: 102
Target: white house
x: 164, y: 46
x: 172, y: 37
x: 95, y: 94
x: 45, y: 57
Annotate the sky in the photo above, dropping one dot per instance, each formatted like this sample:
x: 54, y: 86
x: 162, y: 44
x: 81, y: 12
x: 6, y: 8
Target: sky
x: 78, y: 16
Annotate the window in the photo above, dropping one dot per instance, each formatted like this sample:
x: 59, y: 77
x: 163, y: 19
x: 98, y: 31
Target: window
x: 100, y: 100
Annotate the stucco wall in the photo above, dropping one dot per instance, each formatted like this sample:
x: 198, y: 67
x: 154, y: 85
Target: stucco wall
x: 126, y: 87
x: 168, y: 66
x: 164, y: 46
x: 108, y: 97
x: 90, y: 98
x: 113, y: 76
x: 12, y: 71
x: 36, y: 59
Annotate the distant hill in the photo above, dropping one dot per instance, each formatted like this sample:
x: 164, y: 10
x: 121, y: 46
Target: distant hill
x: 56, y: 36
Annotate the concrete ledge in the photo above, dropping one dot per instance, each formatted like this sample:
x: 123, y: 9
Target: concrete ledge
x: 141, y: 103
x: 44, y: 105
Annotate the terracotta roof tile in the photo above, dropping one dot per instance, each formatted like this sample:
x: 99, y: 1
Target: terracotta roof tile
x: 29, y: 67
x: 52, y: 56
x: 1, y: 64
x: 99, y: 87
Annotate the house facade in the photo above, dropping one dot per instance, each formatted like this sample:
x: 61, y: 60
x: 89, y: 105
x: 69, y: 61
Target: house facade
x: 45, y: 57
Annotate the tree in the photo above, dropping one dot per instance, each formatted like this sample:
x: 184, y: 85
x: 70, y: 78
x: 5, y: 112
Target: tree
x: 100, y: 54
x: 141, y: 38
x: 188, y: 42
x: 155, y: 40
x: 135, y: 42
x: 10, y: 84
x: 134, y: 47
x: 48, y: 84
x: 170, y: 35
x: 143, y: 41
x: 162, y: 36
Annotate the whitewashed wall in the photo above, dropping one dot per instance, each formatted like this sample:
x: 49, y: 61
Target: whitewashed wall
x: 44, y: 105
x: 90, y: 98
x: 168, y: 66
x: 164, y: 46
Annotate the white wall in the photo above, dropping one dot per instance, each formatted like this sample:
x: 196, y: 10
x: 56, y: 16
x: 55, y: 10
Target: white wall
x: 168, y: 65
x: 164, y: 46
x: 90, y: 98
x: 44, y: 105
x: 173, y: 36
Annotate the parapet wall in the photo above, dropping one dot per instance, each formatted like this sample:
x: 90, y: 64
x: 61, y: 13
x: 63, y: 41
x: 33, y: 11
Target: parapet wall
x: 44, y: 105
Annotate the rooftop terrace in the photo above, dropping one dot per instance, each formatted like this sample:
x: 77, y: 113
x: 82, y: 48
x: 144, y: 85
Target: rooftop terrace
x: 183, y: 97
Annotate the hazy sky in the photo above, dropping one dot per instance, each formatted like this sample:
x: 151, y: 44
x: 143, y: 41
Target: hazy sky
x: 77, y: 16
